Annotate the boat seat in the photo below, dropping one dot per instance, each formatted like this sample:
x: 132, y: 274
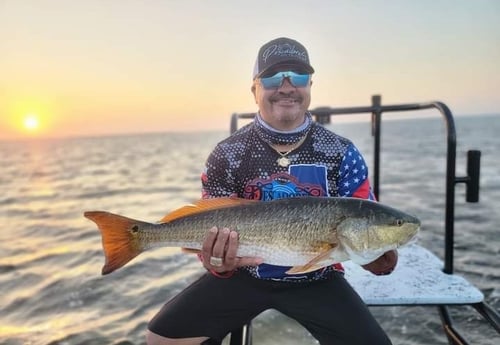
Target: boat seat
x: 417, y: 280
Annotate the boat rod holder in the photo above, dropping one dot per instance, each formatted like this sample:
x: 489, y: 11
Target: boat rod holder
x: 472, y: 179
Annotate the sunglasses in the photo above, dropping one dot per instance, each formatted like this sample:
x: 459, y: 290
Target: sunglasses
x: 275, y: 81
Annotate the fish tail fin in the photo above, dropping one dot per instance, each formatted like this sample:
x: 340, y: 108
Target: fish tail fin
x: 119, y: 238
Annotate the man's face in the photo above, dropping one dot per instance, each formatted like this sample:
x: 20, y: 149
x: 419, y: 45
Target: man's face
x: 284, y: 106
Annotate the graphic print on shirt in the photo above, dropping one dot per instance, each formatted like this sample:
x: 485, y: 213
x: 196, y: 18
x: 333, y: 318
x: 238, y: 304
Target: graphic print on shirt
x: 283, y: 185
x: 353, y: 180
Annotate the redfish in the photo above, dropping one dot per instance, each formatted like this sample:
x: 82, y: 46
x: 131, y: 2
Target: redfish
x: 304, y: 232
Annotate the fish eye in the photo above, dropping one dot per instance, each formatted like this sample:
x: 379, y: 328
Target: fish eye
x: 399, y: 222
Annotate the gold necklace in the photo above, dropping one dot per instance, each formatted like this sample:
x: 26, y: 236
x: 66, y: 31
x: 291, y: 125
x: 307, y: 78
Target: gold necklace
x: 284, y: 161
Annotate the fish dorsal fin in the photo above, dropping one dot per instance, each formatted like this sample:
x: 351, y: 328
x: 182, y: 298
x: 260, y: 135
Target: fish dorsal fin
x: 204, y: 205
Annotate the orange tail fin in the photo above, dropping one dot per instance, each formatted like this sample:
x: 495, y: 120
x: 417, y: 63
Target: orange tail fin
x: 119, y: 238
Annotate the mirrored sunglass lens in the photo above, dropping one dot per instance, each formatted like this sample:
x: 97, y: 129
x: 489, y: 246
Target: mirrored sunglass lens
x: 275, y: 81
x: 272, y: 82
x: 300, y: 80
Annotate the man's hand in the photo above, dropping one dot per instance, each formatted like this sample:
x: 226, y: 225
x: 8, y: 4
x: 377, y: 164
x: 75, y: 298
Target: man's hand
x: 219, y: 249
x: 383, y: 265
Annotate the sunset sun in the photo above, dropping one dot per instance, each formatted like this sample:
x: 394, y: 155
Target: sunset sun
x: 31, y: 122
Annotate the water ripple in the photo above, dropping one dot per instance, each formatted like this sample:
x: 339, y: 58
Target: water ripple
x: 51, y: 256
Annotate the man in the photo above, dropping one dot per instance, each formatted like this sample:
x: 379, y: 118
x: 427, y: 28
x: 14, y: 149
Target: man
x: 283, y: 153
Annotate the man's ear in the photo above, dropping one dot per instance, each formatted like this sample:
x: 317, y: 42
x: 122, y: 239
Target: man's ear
x: 254, y: 91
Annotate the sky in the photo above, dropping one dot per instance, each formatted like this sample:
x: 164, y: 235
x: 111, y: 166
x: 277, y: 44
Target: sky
x: 95, y: 67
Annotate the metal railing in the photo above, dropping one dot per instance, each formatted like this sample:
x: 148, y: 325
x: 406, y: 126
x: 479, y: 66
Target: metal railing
x: 471, y: 180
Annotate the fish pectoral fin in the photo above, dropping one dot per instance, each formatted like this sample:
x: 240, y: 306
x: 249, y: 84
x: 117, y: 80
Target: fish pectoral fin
x: 315, y: 263
x: 303, y: 269
x: 190, y: 250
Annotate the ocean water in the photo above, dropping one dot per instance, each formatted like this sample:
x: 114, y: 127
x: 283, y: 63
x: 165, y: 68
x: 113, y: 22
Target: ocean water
x: 51, y: 290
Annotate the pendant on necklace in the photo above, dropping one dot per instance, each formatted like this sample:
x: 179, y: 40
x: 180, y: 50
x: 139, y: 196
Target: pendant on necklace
x: 283, y: 162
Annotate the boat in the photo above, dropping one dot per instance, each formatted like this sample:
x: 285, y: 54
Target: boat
x: 422, y: 278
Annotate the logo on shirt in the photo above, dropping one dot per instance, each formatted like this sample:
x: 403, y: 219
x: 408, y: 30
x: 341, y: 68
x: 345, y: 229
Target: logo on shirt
x: 280, y: 185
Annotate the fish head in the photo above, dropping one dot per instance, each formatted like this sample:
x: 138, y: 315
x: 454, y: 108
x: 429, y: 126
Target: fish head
x: 372, y: 232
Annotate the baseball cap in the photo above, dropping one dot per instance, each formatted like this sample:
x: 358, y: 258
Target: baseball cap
x: 282, y: 51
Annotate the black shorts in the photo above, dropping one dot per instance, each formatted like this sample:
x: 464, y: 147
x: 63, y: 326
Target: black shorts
x: 211, y: 307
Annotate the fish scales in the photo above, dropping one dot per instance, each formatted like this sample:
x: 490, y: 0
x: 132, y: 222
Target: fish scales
x: 296, y: 226
x: 288, y: 232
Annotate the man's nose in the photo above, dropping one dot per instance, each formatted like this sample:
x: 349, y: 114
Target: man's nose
x: 286, y: 86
